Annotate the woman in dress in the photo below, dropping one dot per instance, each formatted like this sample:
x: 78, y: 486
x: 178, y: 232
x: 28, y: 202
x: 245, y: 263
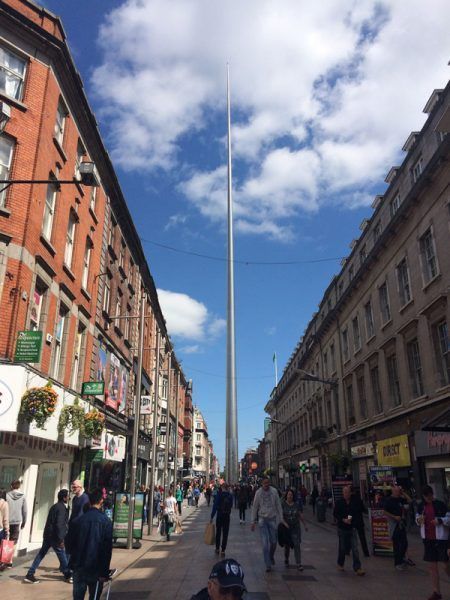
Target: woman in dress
x: 293, y: 516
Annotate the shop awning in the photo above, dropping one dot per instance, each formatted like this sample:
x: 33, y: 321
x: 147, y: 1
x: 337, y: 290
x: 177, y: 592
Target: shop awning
x: 440, y: 422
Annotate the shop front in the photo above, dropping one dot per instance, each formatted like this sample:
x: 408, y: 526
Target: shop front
x: 104, y: 462
x: 395, y: 452
x: 432, y: 451
x: 363, y: 457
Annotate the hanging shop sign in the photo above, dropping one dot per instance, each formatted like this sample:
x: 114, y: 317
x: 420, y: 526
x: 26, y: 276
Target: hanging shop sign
x: 112, y: 446
x: 93, y: 388
x: 28, y: 347
x: 431, y: 443
x: 146, y: 405
x: 144, y: 450
x: 394, y: 452
x: 362, y: 450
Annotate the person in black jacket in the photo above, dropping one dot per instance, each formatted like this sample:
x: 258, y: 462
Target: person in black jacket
x: 347, y: 513
x: 55, y: 531
x: 91, y: 549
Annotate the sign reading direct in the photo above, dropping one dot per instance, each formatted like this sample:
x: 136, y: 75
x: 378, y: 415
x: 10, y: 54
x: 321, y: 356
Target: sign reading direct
x: 93, y: 388
x: 28, y: 346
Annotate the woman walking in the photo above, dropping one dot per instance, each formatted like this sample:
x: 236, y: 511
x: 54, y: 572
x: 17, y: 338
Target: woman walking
x: 4, y: 520
x: 242, y: 503
x: 170, y: 506
x: 179, y: 498
x: 293, y: 516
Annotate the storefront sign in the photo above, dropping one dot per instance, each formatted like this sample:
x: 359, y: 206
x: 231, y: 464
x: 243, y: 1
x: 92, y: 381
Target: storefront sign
x: 381, y: 540
x: 112, y: 397
x: 19, y: 444
x: 394, y: 452
x: 112, y: 446
x: 144, y: 449
x: 362, y: 451
x: 28, y: 346
x: 381, y: 477
x: 121, y: 512
x: 146, y: 405
x: 93, y: 388
x: 431, y: 443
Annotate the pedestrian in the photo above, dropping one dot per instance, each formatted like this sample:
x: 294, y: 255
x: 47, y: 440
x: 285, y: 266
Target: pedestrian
x: 292, y: 515
x: 313, y: 498
x: 179, y: 498
x: 223, y: 503
x: 91, y: 549
x: 395, y: 508
x: 4, y: 520
x: 169, y: 513
x: 79, y: 500
x: 156, y: 502
x: 359, y: 523
x: 17, y: 510
x: 55, y: 531
x: 304, y: 494
x: 189, y: 496
x: 433, y: 517
x: 267, y: 512
x: 346, y: 512
x: 242, y: 503
x: 226, y: 582
x: 196, y: 494
x: 236, y: 496
x: 208, y: 494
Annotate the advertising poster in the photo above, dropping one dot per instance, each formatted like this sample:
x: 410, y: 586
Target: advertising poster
x: 121, y: 511
x: 122, y: 402
x: 101, y: 364
x: 381, y: 540
x: 112, y: 398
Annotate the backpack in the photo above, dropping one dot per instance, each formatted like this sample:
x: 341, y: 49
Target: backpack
x: 226, y: 504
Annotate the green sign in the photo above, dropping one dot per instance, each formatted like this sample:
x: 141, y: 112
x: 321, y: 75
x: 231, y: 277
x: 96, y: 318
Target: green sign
x: 93, y: 388
x: 95, y: 455
x: 121, y: 511
x: 28, y: 346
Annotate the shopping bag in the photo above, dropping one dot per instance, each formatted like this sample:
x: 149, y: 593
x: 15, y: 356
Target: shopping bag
x: 178, y: 528
x: 210, y: 534
x: 6, y: 551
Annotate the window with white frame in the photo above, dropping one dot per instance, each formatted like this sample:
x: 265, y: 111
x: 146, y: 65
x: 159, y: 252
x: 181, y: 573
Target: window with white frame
x: 126, y: 324
x: 60, y: 122
x: 376, y: 390
x: 164, y: 388
x: 385, y: 307
x: 81, y: 152
x: 37, y: 305
x: 6, y: 152
x: 345, y: 348
x: 356, y: 335
x: 118, y: 311
x: 49, y: 211
x: 395, y: 204
x: 428, y: 253
x: 362, y: 255
x: 442, y: 348
x: 394, y: 382
x: 415, y: 368
x: 404, y: 286
x: 86, y: 263
x: 370, y: 328
x: 376, y: 231
x: 12, y: 73
x: 77, y: 361
x: 70, y: 239
x: 59, y: 342
x: 417, y: 169
x: 93, y: 198
x: 106, y: 294
x: 360, y: 381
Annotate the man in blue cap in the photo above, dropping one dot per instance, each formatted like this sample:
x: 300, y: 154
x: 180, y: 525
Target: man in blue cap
x: 226, y: 582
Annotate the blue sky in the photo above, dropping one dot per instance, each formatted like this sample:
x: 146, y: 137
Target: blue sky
x: 323, y: 97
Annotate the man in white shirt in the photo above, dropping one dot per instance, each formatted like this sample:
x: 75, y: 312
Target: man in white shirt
x: 267, y: 512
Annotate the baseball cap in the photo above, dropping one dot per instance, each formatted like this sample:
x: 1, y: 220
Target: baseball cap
x: 228, y: 573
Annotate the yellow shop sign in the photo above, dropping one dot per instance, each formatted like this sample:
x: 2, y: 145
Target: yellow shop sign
x: 394, y: 452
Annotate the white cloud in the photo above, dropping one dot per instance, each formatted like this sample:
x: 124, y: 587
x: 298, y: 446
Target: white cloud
x: 324, y: 95
x: 193, y: 349
x: 174, y: 221
x: 188, y: 318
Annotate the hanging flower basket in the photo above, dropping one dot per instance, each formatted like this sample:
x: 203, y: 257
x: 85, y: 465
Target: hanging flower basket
x: 38, y: 404
x: 71, y: 418
x: 94, y: 423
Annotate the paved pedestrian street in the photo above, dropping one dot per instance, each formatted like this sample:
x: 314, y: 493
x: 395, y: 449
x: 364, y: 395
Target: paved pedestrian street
x: 175, y: 570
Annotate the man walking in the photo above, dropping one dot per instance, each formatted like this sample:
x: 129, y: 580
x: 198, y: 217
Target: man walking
x: 91, y: 550
x: 395, y: 508
x: 179, y: 498
x: 223, y: 503
x: 347, y: 513
x: 433, y: 518
x: 55, y: 531
x: 79, y: 500
x: 17, y: 511
x: 267, y: 512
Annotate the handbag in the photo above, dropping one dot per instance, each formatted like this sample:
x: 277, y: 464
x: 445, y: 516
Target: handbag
x: 210, y: 534
x: 6, y: 551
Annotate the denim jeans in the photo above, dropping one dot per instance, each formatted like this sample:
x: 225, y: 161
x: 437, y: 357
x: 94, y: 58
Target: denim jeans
x: 60, y: 553
x: 83, y: 581
x: 400, y: 543
x: 268, y: 533
x: 348, y: 540
x: 296, y: 538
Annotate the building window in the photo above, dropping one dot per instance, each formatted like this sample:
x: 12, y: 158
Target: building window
x: 49, y: 211
x: 376, y: 391
x: 345, y: 349
x: 333, y: 358
x: 122, y: 254
x: 370, y: 328
x: 6, y: 152
x: 126, y: 324
x: 362, y: 255
x: 395, y: 204
x: 37, y: 306
x: 362, y: 396
x: 340, y: 289
x: 86, y: 263
x: 59, y: 342
x: 394, y: 383
x: 118, y: 311
x: 417, y: 169
x: 164, y: 388
x: 325, y: 365
x: 93, y: 198
x: 384, y: 303
x: 356, y: 335
x: 81, y: 152
x: 441, y: 342
x: 106, y: 295
x: 428, y: 253
x: 404, y: 287
x: 77, y: 366
x: 12, y: 74
x: 415, y: 368
x: 70, y: 239
x: 350, y: 273
x: 60, y: 123
x: 199, y: 437
x: 350, y: 404
x: 376, y: 231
